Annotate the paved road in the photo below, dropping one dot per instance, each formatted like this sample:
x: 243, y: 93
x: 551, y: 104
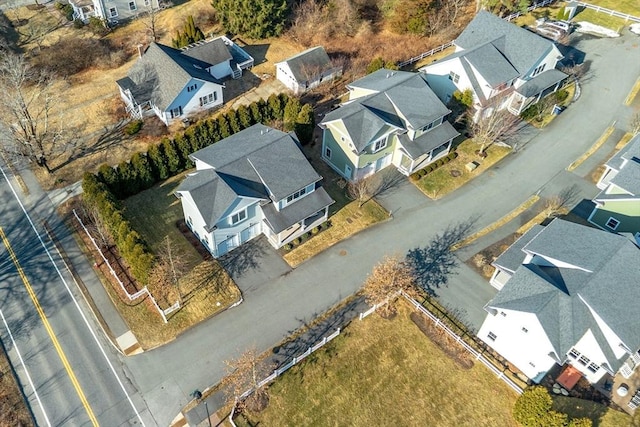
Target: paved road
x: 70, y: 374
x: 272, y: 310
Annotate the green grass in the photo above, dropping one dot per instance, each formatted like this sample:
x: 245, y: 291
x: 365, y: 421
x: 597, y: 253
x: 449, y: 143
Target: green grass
x: 631, y: 7
x: 385, y: 373
x: 206, y: 288
x: 596, y: 412
x: 440, y: 182
x: 602, y: 19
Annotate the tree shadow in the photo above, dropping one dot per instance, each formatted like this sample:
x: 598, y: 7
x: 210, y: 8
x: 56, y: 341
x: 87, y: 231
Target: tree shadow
x: 386, y: 181
x: 433, y: 264
x: 243, y: 258
x: 257, y: 51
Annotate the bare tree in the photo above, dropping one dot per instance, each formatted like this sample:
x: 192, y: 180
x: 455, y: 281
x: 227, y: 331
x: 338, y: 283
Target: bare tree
x: 453, y: 8
x: 362, y: 189
x: 244, y: 374
x: 169, y: 267
x: 560, y: 203
x: 388, y: 277
x: 497, y: 126
x: 97, y: 227
x: 150, y: 21
x: 26, y: 109
x: 577, y: 71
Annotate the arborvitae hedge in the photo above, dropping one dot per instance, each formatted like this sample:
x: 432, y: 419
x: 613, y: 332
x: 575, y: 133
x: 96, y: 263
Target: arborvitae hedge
x: 168, y: 158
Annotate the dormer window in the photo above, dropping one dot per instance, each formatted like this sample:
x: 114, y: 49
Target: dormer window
x: 454, y: 77
x: 379, y: 144
x: 296, y: 195
x: 238, y: 217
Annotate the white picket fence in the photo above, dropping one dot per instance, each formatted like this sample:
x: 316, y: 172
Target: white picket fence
x: 142, y: 292
x: 284, y: 368
x: 459, y: 340
x: 610, y: 12
x: 425, y: 54
x: 529, y: 9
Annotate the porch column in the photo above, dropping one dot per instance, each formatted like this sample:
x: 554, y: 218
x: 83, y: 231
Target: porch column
x: 539, y: 96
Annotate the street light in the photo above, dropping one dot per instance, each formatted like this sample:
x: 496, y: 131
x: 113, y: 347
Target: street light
x: 197, y: 394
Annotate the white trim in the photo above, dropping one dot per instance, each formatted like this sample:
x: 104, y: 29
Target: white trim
x: 615, y: 227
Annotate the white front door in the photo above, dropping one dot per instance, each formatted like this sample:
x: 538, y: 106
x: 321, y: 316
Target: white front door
x: 383, y: 162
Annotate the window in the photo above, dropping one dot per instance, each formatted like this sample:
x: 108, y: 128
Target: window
x: 593, y: 367
x: 192, y: 88
x: 538, y: 70
x: 239, y: 216
x: 492, y: 336
x: 207, y: 99
x: 113, y: 12
x: 296, y: 195
x: 574, y: 354
x: 454, y: 77
x: 379, y: 144
x: 525, y: 330
x: 327, y: 152
x: 613, y: 223
x: 503, y: 314
x: 532, y: 364
x: 132, y: 5
x: 189, y: 221
x: 583, y: 360
x: 176, y: 112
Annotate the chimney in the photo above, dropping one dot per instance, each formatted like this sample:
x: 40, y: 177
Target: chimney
x: 140, y: 50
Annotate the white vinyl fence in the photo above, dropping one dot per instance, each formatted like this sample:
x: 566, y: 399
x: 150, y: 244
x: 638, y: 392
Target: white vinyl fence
x: 281, y: 370
x: 142, y: 292
x: 610, y: 12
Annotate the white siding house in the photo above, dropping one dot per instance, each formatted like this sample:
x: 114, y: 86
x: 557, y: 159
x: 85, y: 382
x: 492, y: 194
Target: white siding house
x: 307, y: 70
x: 255, y: 182
x: 567, y: 294
x: 503, y: 65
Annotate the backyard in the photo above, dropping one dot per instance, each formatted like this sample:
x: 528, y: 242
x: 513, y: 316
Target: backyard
x: 386, y: 372
x: 205, y: 289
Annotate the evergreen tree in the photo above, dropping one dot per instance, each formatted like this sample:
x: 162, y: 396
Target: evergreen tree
x: 275, y: 108
x: 174, y: 162
x: 158, y: 162
x: 223, y: 126
x: 144, y: 171
x: 109, y: 176
x: 244, y: 117
x: 256, y: 111
x: 305, y: 124
x: 253, y: 18
x: 190, y: 34
x: 291, y: 111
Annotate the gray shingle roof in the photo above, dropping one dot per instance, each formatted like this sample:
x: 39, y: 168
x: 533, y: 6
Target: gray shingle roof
x: 210, y: 51
x: 520, y: 47
x: 541, y: 82
x: 561, y: 297
x: 262, y: 154
x: 631, y: 150
x: 162, y: 73
x: 511, y: 259
x: 402, y: 100
x: 296, y: 212
x: 628, y: 178
x: 311, y: 62
x: 428, y: 140
x: 491, y: 64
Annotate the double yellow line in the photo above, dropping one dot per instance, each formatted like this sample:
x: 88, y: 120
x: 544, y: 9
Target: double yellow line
x: 47, y: 326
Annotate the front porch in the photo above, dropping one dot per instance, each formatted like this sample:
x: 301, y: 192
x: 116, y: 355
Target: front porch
x: 532, y: 91
x: 280, y: 239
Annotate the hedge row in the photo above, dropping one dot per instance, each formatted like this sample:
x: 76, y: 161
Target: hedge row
x: 433, y: 166
x: 130, y: 244
x: 170, y: 157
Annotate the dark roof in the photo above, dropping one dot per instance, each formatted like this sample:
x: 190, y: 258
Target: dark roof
x: 599, y: 271
x: 399, y: 99
x: 262, y: 154
x: 162, y: 73
x: 491, y: 64
x: 296, y: 212
x: 426, y: 142
x: 628, y: 178
x: 311, y: 62
x: 212, y: 52
x: 511, y: 259
x: 541, y: 82
x: 520, y: 47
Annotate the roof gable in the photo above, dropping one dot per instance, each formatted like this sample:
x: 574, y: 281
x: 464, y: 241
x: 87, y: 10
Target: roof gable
x: 212, y: 52
x: 305, y: 65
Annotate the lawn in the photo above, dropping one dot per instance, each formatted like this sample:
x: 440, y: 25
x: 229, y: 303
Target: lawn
x: 441, y: 182
x: 206, y: 288
x: 386, y: 372
x: 596, y: 412
x: 346, y: 222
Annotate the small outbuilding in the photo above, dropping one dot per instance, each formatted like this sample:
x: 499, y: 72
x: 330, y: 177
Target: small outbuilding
x: 307, y: 70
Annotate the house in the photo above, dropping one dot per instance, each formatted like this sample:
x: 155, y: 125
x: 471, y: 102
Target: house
x: 254, y: 182
x: 503, y: 65
x: 174, y: 83
x: 390, y: 118
x: 111, y: 10
x: 617, y: 206
x: 569, y: 296
x: 306, y: 70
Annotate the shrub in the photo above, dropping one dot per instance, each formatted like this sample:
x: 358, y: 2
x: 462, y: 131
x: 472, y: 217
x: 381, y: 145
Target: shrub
x: 379, y: 63
x: 73, y: 54
x: 77, y: 23
x: 190, y: 34
x: 305, y: 124
x: 561, y: 95
x: 66, y: 9
x: 446, y: 159
x: 414, y: 176
x: 532, y: 406
x: 288, y: 246
x: 464, y: 98
x: 97, y: 26
x: 315, y: 230
x: 531, y: 112
x: 133, y: 127
x: 291, y: 111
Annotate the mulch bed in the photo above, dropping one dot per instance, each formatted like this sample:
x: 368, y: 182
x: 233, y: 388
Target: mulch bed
x: 186, y: 232
x: 443, y: 340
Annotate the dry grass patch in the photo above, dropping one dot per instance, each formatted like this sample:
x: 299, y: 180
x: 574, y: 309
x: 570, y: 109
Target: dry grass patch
x: 441, y: 181
x: 346, y: 222
x: 599, y: 414
x: 386, y: 372
x: 595, y: 147
x: 13, y: 408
